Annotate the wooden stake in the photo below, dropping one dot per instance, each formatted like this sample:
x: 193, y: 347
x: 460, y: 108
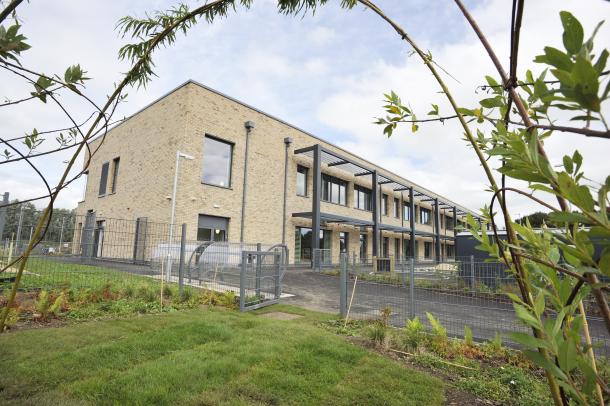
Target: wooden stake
x: 585, y: 327
x: 350, y: 302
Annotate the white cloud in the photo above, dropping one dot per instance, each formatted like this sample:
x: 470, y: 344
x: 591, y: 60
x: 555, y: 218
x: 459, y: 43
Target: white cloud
x: 436, y: 157
x: 338, y: 62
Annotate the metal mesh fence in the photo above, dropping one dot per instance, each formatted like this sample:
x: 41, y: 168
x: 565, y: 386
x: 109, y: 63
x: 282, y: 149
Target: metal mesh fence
x: 458, y: 293
x: 93, y: 251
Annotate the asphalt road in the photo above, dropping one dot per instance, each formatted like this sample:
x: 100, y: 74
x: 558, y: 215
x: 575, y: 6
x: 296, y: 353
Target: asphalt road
x: 485, y: 316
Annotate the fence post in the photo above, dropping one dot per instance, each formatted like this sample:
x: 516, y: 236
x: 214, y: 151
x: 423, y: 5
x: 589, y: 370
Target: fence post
x: 403, y: 272
x: 472, y: 274
x: 259, y: 268
x: 343, y: 283
x: 182, y: 254
x: 242, y: 282
x: 277, y: 260
x: 412, y: 288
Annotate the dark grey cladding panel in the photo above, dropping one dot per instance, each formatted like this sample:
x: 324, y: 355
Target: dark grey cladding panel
x: 214, y: 222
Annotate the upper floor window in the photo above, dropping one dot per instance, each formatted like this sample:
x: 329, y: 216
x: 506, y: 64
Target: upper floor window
x: 397, y: 207
x: 302, y: 180
x: 362, y: 198
x: 406, y: 209
x: 115, y: 173
x: 86, y: 182
x: 334, y: 190
x: 448, y: 222
x: 104, y: 179
x: 425, y: 216
x: 217, y: 159
x: 384, y: 204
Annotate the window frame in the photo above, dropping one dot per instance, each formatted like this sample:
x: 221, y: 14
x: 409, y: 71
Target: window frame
x: 384, y: 204
x: 306, y: 174
x: 358, y: 190
x: 232, y: 146
x: 116, y: 165
x: 406, y: 211
x: 428, y: 213
x: 332, y: 182
x: 103, y: 179
x: 397, y: 208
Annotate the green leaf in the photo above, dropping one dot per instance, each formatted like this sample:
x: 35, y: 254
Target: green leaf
x: 567, y: 164
x: 573, y: 33
x: 525, y: 316
x: 555, y: 57
x: 544, y: 363
x: 527, y: 340
x: 492, y: 102
x: 586, y: 84
x: 601, y: 61
x: 567, y: 355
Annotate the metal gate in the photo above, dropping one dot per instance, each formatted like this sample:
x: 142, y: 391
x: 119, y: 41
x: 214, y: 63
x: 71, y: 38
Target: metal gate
x: 260, y: 279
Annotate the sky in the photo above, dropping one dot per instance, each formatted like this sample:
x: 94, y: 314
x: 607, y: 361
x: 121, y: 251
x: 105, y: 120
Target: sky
x: 324, y: 73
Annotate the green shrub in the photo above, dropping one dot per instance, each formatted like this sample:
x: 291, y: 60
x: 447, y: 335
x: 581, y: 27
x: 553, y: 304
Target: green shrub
x: 187, y: 295
x: 229, y: 299
x: 167, y: 291
x: 413, y: 335
x: 57, y: 306
x: 468, y: 339
x: 12, y: 318
x: 146, y: 294
x: 43, y: 303
x: 438, y: 340
x: 127, y: 291
x: 378, y: 334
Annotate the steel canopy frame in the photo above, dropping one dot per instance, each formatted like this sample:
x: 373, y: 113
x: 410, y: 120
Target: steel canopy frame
x: 322, y: 155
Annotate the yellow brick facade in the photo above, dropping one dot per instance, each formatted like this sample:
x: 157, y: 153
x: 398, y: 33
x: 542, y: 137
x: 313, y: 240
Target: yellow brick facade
x: 147, y: 143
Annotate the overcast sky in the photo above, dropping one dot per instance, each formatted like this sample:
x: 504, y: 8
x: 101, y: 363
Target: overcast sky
x: 324, y: 73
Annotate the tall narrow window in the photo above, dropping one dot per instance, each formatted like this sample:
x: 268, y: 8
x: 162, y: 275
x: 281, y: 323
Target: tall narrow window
x: 427, y: 249
x: 425, y: 216
x: 217, y: 158
x: 384, y: 205
x: 397, y: 207
x: 397, y: 249
x: 343, y: 241
x: 104, y: 179
x: 115, y: 173
x: 302, y: 180
x: 407, y: 211
x: 86, y: 181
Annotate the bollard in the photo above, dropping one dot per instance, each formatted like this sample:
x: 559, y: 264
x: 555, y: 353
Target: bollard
x: 412, y: 288
x: 181, y: 265
x: 472, y: 274
x: 343, y: 288
x: 259, y: 270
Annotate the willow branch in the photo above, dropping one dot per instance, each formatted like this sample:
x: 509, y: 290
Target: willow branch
x: 9, y: 9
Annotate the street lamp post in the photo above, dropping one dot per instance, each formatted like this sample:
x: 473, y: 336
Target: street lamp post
x: 173, y: 213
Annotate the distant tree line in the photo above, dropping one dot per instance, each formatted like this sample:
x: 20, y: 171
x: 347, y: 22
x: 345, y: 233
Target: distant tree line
x: 31, y: 215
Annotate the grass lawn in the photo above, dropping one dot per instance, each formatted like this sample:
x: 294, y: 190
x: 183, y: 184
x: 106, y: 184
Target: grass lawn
x: 49, y: 273
x: 205, y: 357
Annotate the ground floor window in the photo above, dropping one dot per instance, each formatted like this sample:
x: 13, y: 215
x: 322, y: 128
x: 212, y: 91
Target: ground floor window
x: 343, y: 242
x: 212, y: 228
x: 363, y: 246
x: 450, y: 251
x: 302, y: 243
x: 396, y: 249
x: 385, y: 247
x: 427, y: 249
